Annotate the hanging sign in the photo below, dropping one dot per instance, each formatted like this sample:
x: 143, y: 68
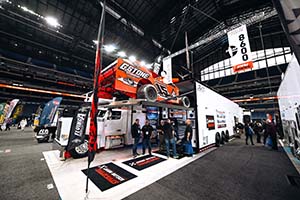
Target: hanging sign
x: 167, y: 69
x: 239, y: 49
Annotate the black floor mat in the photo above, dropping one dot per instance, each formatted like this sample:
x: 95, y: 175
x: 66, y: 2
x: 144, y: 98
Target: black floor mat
x: 108, y: 175
x: 143, y: 162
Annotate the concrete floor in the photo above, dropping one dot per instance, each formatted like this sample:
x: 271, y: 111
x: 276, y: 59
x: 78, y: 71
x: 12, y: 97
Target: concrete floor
x: 234, y: 171
x: 23, y: 175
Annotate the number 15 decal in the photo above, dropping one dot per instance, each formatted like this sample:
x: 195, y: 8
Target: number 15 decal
x: 162, y: 89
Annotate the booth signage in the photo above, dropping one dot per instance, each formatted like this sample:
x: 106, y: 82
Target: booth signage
x: 239, y: 49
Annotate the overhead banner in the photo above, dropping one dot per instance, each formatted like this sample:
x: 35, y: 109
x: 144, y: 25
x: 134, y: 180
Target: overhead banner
x: 167, y: 68
x: 239, y: 49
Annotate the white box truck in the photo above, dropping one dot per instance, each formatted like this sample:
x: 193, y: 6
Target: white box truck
x: 289, y: 105
x: 113, y: 127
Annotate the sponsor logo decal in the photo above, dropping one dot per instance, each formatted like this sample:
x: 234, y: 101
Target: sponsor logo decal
x: 109, y: 175
x: 79, y: 124
x: 144, y: 161
x: 134, y: 71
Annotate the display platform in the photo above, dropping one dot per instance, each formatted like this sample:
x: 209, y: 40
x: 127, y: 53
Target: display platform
x: 71, y: 181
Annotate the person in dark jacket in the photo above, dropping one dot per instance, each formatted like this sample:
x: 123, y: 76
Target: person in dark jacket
x: 136, y: 134
x: 169, y: 134
x: 257, y: 130
x: 264, y: 127
x: 147, y: 134
x: 249, y: 132
x: 272, y: 132
x: 160, y: 132
x: 188, y: 135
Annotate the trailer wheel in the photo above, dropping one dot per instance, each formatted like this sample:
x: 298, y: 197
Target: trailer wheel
x: 186, y: 101
x: 147, y: 92
x: 227, y: 136
x: 222, y: 138
x: 218, y: 139
x: 80, y: 151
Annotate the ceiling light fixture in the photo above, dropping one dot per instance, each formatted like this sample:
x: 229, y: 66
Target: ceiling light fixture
x: 143, y: 63
x: 122, y: 54
x: 52, y: 21
x: 132, y: 58
x: 110, y: 48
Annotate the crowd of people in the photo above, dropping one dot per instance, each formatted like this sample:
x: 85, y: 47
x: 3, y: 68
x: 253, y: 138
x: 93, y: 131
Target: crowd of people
x: 166, y: 134
x: 266, y: 129
x: 20, y: 125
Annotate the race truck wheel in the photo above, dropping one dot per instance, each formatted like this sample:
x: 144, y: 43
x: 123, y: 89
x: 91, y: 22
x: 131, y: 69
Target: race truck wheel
x: 186, y: 102
x: 80, y: 151
x: 218, y: 139
x: 147, y: 92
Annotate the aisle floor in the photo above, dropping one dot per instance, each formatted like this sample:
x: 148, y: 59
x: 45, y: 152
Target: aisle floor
x: 233, y: 171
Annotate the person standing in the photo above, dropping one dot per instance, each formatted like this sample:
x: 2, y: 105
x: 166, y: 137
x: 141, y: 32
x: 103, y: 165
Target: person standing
x: 272, y: 132
x: 23, y: 124
x: 249, y: 132
x: 147, y: 134
x: 136, y: 134
x: 188, y: 135
x: 257, y: 130
x: 160, y: 132
x: 264, y: 128
x: 169, y: 138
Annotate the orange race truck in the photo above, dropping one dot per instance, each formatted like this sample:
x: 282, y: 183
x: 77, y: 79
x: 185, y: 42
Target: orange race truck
x: 133, y: 80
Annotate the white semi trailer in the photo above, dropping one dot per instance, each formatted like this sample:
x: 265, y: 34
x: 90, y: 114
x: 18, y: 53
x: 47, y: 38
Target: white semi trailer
x: 289, y: 105
x: 216, y: 117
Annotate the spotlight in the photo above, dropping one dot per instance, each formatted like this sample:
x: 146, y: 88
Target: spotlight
x: 132, y: 58
x: 52, y: 21
x: 110, y: 48
x: 122, y: 54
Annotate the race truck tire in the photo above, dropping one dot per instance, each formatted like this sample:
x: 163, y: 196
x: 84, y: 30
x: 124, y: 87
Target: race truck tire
x: 186, y: 101
x: 80, y: 151
x: 218, y: 139
x: 147, y: 92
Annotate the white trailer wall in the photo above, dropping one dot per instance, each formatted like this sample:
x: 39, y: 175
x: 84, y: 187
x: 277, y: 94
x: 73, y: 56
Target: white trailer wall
x: 289, y: 91
x: 210, y: 103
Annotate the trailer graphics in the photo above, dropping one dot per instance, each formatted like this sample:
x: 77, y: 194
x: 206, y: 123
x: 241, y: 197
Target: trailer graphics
x: 210, y: 122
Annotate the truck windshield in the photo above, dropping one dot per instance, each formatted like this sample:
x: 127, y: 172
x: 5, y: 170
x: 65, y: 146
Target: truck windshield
x: 101, y: 113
